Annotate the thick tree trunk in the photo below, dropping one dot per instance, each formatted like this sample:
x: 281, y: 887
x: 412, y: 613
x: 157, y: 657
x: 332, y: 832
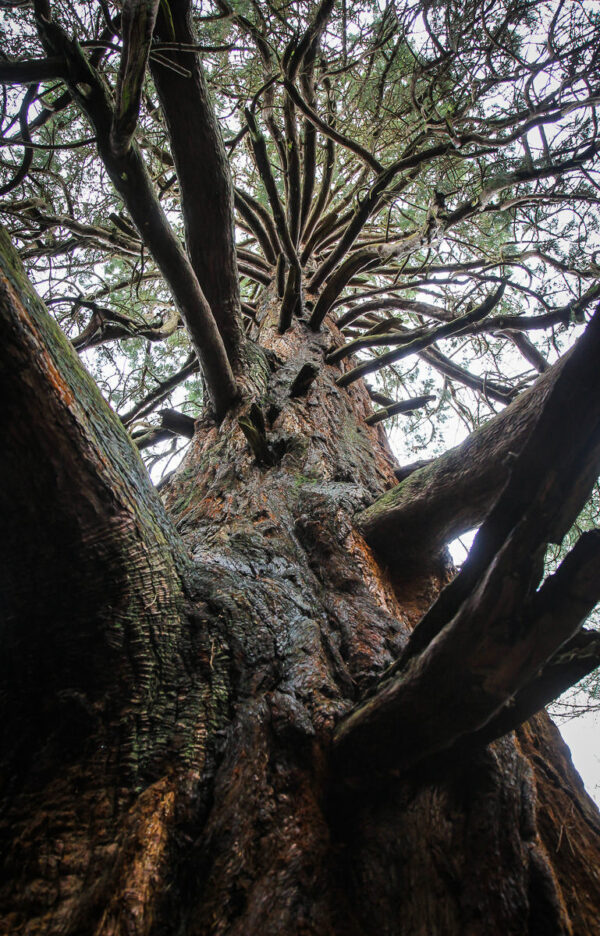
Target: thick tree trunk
x: 233, y: 669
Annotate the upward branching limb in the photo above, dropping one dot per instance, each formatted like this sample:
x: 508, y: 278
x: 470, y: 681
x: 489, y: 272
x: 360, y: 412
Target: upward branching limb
x: 131, y: 180
x: 491, y: 632
x: 203, y: 172
x: 137, y: 26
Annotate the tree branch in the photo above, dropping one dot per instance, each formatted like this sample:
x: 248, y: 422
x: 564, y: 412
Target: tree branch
x: 455, y: 327
x: 130, y: 178
x: 260, y: 223
x: 394, y: 409
x: 202, y: 167
x: 453, y: 493
x: 137, y: 26
x: 329, y: 131
x: 152, y: 399
x: 32, y: 72
x: 490, y: 632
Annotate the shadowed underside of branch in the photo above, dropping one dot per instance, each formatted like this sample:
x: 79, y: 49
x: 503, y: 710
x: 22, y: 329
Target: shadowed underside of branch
x: 494, y: 642
x: 453, y: 493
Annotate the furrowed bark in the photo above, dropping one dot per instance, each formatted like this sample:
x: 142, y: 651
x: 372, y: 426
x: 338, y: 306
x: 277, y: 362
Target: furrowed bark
x: 85, y: 475
x: 109, y: 669
x: 295, y: 621
x: 95, y: 617
x: 202, y: 168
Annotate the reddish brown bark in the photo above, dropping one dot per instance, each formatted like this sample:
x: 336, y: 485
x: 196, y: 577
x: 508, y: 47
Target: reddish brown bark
x: 226, y: 818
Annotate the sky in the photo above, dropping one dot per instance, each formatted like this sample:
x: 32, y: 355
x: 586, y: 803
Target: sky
x: 581, y: 734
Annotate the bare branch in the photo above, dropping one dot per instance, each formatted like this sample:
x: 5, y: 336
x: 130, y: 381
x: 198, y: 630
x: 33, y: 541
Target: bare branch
x: 32, y: 72
x: 202, y: 167
x: 455, y: 327
x: 394, y: 409
x: 130, y: 178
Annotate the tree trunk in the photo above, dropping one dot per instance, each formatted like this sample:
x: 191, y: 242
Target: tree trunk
x: 168, y: 720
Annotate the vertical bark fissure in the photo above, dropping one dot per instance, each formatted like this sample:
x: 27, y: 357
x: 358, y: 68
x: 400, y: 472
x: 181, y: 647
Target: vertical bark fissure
x: 288, y: 619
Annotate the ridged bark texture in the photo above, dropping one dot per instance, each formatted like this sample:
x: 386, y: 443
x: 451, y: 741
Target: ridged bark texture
x: 234, y: 824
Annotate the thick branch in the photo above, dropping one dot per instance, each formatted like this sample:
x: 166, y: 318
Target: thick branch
x: 131, y: 180
x: 578, y: 657
x: 260, y: 223
x: 483, y: 668
x: 172, y: 423
x: 263, y: 165
x: 202, y: 168
x: 32, y: 72
x: 453, y: 493
x: 137, y: 25
x: 322, y: 197
x: 490, y: 632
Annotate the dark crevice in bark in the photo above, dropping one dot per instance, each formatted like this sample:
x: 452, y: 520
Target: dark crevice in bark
x: 228, y: 821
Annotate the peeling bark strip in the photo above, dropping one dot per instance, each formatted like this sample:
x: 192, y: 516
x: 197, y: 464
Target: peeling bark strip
x: 490, y: 632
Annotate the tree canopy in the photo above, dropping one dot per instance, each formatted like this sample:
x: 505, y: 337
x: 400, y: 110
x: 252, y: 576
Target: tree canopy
x: 424, y: 173
x: 262, y: 700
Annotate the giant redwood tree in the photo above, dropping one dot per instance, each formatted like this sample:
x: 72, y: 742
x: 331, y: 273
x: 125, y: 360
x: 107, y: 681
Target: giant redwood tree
x: 260, y: 699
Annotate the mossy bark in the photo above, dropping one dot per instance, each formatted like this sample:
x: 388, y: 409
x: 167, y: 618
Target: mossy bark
x: 172, y: 686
